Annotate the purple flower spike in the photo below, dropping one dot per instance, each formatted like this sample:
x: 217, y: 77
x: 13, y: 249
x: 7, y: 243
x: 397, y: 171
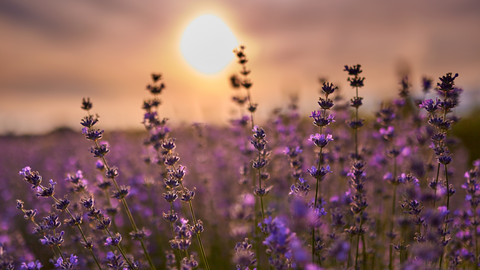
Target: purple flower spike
x: 31, y: 265
x: 427, y: 84
x: 25, y: 171
x: 328, y: 88
x: 292, y: 152
x: 31, y: 177
x: 319, y: 174
x: 321, y: 140
x: 388, y: 133
x: 320, y: 119
x: 447, y: 82
x: 259, y: 133
x: 113, y: 241
x: 69, y: 263
x: 353, y: 70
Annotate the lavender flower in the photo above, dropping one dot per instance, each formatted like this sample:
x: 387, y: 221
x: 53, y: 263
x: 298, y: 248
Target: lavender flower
x: 321, y: 140
x: 114, y: 261
x: 426, y: 84
x: 114, y: 240
x: 69, y: 263
x: 320, y: 119
x: 328, y: 88
x: 31, y: 265
x: 31, y: 177
x: 388, y: 133
x: 278, y: 242
x: 244, y: 256
x: 319, y: 173
x: 53, y: 240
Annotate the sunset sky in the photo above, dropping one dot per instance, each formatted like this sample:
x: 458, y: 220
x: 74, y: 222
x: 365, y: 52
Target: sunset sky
x: 54, y: 53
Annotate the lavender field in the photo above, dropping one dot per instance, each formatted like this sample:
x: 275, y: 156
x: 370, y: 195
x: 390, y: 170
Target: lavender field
x: 328, y: 190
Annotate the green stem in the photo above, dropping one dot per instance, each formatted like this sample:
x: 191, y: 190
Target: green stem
x: 476, y: 237
x: 256, y: 234
x: 317, y: 185
x: 441, y: 260
x: 250, y: 104
x: 261, y: 204
x: 364, y: 253
x: 358, y: 241
x: 390, y: 254
x: 129, y: 214
x: 313, y: 244
x: 119, y: 247
x: 373, y: 261
x: 356, y: 253
x: 260, y: 186
x: 61, y: 254
x: 448, y: 195
x: 349, y: 252
x: 356, y: 119
x: 177, y: 252
x: 446, y: 216
x: 54, y: 253
x: 81, y: 232
x: 390, y: 265
x: 436, y: 185
x: 202, y: 250
x: 110, y: 205
x: 446, y: 178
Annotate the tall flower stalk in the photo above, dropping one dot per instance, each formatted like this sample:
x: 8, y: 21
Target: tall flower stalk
x: 356, y: 82
x: 174, y: 181
x: 103, y: 224
x: 321, y: 119
x: 173, y: 176
x: 246, y: 83
x: 389, y: 135
x: 100, y: 150
x: 357, y: 172
x: 158, y: 134
x: 259, y: 163
x: 34, y: 178
x: 50, y: 223
x: 471, y: 187
x: 449, y: 94
x: 437, y: 112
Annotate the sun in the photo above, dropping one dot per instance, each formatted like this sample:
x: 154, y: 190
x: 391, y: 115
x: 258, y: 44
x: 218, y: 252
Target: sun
x: 207, y: 44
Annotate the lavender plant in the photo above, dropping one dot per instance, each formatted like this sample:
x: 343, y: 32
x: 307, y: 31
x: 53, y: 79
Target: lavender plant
x: 321, y: 119
x: 51, y: 223
x: 173, y: 178
x: 258, y: 142
x: 357, y: 173
x: 471, y: 187
x: 450, y: 95
x: 100, y: 151
x: 245, y: 81
x: 371, y: 199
